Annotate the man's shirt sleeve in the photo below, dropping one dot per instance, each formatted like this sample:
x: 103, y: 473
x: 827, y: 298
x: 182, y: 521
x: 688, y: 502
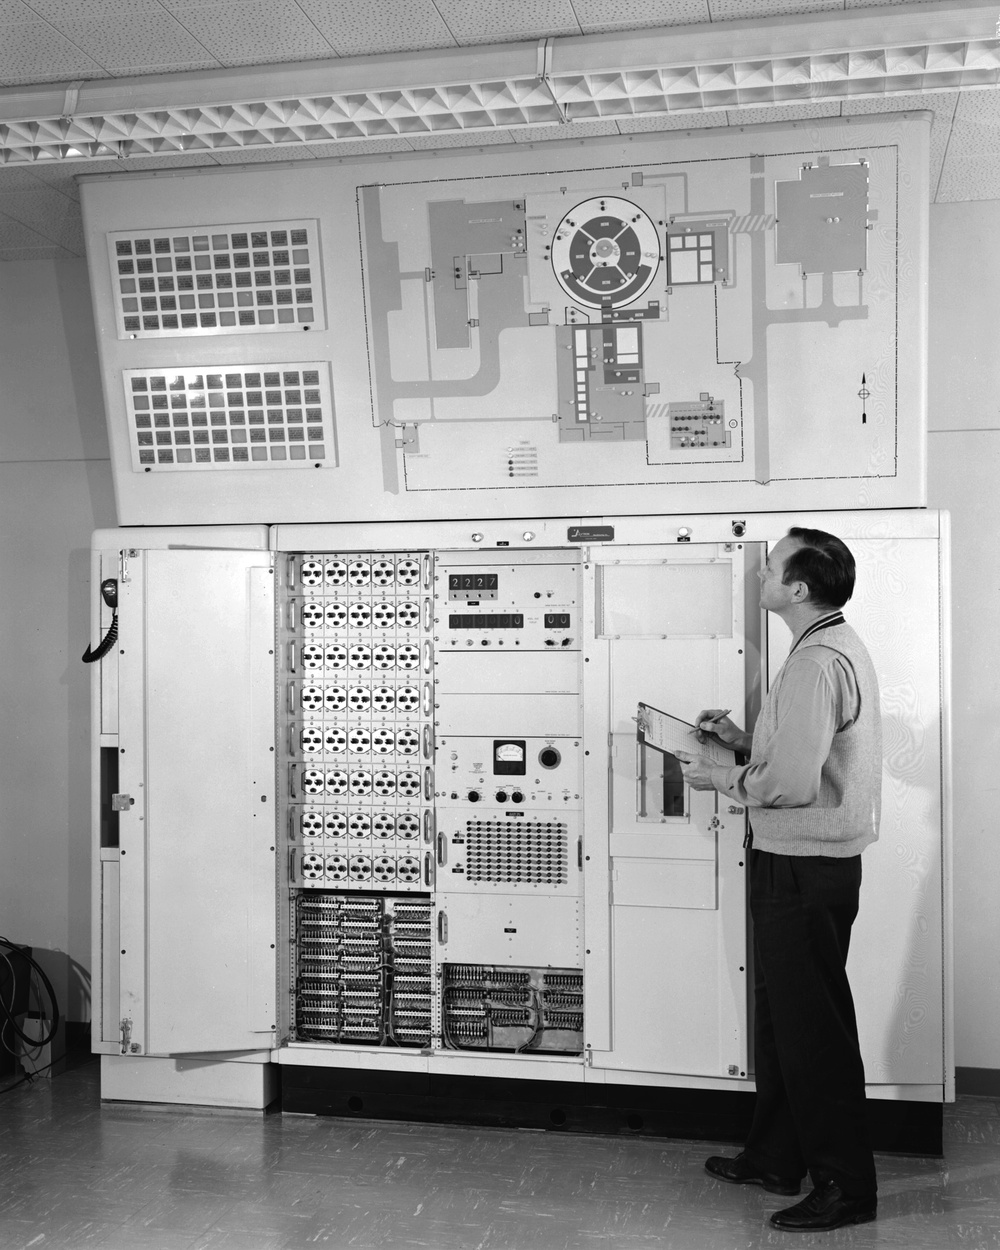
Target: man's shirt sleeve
x: 814, y: 701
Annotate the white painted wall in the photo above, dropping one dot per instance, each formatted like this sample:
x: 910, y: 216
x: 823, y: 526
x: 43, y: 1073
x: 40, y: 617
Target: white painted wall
x: 55, y: 487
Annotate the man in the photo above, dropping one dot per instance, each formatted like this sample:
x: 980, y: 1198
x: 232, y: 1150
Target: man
x: 813, y: 789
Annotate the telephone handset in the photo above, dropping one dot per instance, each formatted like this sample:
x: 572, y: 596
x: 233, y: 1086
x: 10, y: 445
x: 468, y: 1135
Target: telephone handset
x: 109, y: 593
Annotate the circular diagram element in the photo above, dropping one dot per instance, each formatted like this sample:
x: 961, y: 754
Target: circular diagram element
x: 605, y: 252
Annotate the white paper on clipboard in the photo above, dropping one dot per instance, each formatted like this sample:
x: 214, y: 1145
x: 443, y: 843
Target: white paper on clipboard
x: 671, y: 734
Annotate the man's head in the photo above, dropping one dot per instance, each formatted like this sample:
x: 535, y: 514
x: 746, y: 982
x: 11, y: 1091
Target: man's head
x: 807, y: 567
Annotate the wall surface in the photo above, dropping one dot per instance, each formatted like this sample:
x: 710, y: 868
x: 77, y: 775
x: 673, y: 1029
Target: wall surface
x: 55, y: 488
x: 963, y: 476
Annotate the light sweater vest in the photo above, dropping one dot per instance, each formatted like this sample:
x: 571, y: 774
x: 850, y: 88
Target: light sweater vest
x: 845, y: 817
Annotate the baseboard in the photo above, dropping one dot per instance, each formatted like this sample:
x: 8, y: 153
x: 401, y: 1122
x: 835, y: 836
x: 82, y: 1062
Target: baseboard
x: 909, y: 1128
x: 978, y: 1082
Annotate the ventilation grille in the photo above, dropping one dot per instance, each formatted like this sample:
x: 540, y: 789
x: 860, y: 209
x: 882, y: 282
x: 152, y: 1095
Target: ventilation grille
x: 251, y: 280
x: 278, y: 416
x: 529, y: 852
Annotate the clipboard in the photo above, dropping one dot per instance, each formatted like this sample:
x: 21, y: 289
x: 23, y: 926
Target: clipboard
x: 670, y: 734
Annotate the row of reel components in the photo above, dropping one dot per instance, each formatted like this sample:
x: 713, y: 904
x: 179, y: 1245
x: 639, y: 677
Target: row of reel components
x: 359, y: 572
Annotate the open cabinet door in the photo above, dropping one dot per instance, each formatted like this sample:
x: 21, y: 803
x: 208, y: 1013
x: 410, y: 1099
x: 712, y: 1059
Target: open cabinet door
x: 196, y: 781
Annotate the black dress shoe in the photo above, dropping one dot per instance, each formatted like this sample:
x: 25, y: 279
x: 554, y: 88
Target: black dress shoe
x: 740, y: 1171
x: 825, y: 1208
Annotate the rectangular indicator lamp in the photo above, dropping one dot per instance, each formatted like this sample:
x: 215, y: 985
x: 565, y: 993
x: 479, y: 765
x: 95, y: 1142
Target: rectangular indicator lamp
x: 497, y: 620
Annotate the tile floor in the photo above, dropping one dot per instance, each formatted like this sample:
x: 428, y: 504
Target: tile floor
x: 76, y: 1174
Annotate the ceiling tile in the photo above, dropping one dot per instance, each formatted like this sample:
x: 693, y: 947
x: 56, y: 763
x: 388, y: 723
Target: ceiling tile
x: 260, y: 156
x: 14, y: 233
x: 358, y: 147
x: 499, y: 21
x: 672, y: 121
x: 746, y: 10
x: 364, y: 27
x: 257, y: 32
x: 467, y: 139
x: 604, y: 15
x: 941, y: 104
x: 16, y: 11
x: 972, y: 161
x: 756, y: 114
x: 45, y: 251
x: 146, y: 41
x: 47, y: 212
x: 60, y: 12
x: 567, y: 133
x: 33, y: 52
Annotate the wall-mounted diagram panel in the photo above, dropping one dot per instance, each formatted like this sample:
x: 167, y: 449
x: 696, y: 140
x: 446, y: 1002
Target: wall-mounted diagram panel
x: 654, y: 324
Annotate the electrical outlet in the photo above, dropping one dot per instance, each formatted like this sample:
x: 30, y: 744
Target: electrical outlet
x: 312, y: 780
x: 334, y: 738
x: 311, y: 867
x: 310, y: 823
x: 407, y: 656
x: 383, y: 615
x: 384, y: 868
x: 407, y: 869
x: 359, y: 614
x: 408, y: 572
x: 384, y: 782
x: 383, y: 825
x: 336, y: 867
x: 407, y: 741
x: 407, y: 699
x: 334, y: 698
x: 383, y: 573
x: 311, y: 615
x: 359, y: 740
x: 383, y: 699
x: 311, y: 698
x: 359, y: 698
x: 360, y: 655
x: 311, y: 573
x: 335, y: 655
x: 408, y: 614
x: 360, y: 867
x: 360, y: 825
x: 336, y: 781
x: 335, y: 615
x: 335, y: 573
x: 310, y: 739
x: 334, y: 823
x: 408, y: 784
x: 312, y: 655
x: 359, y: 573
x: 383, y: 741
x: 361, y: 783
x: 408, y: 825
x: 384, y: 657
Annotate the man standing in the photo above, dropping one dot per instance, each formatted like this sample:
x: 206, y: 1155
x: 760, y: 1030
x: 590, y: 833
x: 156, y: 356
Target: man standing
x: 813, y: 789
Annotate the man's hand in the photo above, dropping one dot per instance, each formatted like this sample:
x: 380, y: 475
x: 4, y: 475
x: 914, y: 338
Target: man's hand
x: 697, y: 770
x: 714, y: 722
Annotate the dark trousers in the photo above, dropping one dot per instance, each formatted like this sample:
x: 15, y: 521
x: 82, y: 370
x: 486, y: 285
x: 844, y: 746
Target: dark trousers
x: 810, y: 1109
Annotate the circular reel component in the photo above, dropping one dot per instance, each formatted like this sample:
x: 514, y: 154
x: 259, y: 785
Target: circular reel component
x: 605, y: 252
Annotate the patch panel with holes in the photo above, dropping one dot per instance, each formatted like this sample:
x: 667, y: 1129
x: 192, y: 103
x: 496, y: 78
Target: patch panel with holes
x: 490, y: 1008
x: 362, y: 970
x: 511, y: 852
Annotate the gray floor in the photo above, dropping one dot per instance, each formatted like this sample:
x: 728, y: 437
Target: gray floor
x: 76, y: 1174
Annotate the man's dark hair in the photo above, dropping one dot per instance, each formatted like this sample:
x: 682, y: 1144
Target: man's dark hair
x: 824, y: 563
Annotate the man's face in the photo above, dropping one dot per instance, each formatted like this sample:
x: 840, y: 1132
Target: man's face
x: 774, y: 594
